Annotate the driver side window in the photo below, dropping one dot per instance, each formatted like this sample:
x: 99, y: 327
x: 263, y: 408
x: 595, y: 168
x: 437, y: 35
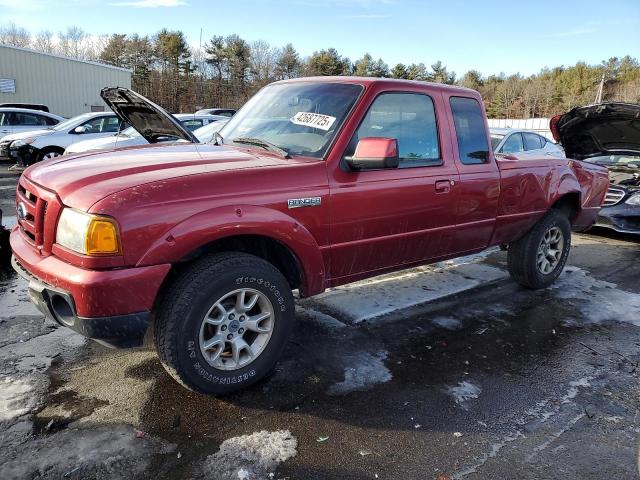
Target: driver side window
x: 94, y: 125
x: 410, y: 119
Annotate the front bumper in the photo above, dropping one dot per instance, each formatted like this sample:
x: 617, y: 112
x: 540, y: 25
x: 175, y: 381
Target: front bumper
x: 119, y: 331
x: 111, y: 306
x: 623, y: 218
x: 26, y: 154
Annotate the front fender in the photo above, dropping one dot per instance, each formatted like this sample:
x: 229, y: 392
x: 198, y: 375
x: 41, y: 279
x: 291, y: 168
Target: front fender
x: 223, y: 222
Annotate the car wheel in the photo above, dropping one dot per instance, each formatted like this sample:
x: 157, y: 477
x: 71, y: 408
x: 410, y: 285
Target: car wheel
x: 537, y: 259
x: 223, y: 322
x: 49, y: 153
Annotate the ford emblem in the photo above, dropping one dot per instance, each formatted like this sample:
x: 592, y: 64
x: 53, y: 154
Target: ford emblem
x: 22, y: 211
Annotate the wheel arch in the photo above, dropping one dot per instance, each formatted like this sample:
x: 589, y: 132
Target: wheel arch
x: 570, y: 203
x: 265, y: 233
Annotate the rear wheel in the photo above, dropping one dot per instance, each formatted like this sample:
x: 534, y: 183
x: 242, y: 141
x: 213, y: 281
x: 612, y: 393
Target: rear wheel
x: 538, y: 258
x: 223, y: 322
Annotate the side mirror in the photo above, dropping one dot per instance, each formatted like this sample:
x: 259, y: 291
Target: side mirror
x: 506, y: 156
x: 375, y: 153
x: 80, y: 129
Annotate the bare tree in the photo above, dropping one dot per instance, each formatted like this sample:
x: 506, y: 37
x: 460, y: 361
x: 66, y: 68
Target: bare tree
x: 43, y: 42
x: 262, y: 58
x: 11, y: 34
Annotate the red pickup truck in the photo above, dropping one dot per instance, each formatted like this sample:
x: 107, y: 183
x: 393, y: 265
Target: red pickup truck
x: 314, y: 183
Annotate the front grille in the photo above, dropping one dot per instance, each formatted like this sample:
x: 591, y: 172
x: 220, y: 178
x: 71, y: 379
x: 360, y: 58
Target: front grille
x: 614, y: 196
x: 38, y: 211
x: 30, y: 214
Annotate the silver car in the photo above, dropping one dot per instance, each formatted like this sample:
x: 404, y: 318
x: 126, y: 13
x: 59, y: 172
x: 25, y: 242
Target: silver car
x: 523, y: 144
x: 16, y: 120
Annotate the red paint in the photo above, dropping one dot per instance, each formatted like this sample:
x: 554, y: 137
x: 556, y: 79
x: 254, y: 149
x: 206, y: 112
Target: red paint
x: 171, y: 200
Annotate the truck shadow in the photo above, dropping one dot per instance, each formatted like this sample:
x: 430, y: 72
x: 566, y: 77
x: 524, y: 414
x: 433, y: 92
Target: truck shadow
x: 398, y: 366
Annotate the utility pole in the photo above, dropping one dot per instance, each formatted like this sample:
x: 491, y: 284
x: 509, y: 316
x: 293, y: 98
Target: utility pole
x: 600, y: 90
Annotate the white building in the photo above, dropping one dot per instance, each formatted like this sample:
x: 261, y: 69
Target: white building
x: 68, y: 86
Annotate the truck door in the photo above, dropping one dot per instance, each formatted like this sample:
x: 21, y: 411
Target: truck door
x: 381, y: 219
x: 476, y: 201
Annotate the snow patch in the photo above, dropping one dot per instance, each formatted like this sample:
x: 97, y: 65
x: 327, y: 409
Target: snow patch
x: 16, y: 398
x: 363, y: 372
x: 252, y: 456
x: 14, y: 299
x: 463, y: 392
x: 598, y: 301
x: 376, y: 297
x: 9, y: 221
x: 448, y: 323
x: 99, y: 452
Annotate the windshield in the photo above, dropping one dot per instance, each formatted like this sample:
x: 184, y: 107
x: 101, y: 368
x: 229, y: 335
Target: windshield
x: 72, y: 122
x: 495, y: 140
x: 205, y: 134
x: 632, y: 161
x: 301, y: 118
x: 130, y: 132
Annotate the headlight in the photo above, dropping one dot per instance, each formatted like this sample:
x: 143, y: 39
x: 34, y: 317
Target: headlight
x: 87, y: 234
x: 633, y: 199
x: 22, y: 142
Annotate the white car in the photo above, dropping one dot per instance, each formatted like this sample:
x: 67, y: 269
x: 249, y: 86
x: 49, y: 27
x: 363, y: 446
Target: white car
x: 16, y: 120
x: 205, y: 134
x: 523, y: 144
x: 36, y: 145
x: 130, y: 137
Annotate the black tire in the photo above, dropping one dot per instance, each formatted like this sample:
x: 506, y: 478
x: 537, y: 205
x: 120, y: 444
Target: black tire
x: 47, y: 150
x: 522, y: 254
x: 183, y: 306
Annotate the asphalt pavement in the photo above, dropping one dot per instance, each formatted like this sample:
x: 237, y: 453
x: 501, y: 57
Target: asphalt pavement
x: 448, y: 371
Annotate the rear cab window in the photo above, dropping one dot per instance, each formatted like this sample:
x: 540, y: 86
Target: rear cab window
x: 473, y: 144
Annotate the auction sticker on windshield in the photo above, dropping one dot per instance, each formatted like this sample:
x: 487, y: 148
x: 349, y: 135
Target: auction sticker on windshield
x: 315, y: 120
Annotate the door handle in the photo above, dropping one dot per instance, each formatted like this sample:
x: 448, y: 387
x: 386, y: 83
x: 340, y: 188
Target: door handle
x: 443, y: 186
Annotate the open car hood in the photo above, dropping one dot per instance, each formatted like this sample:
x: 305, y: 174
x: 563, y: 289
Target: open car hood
x: 601, y: 129
x: 149, y: 119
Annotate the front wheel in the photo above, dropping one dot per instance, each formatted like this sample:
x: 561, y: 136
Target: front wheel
x: 537, y: 259
x: 49, y: 153
x: 223, y: 322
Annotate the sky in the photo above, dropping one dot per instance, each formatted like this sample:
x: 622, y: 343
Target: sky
x: 491, y: 36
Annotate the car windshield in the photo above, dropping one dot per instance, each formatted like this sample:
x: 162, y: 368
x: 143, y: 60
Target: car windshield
x: 632, y: 161
x: 495, y: 140
x: 130, y: 132
x: 72, y: 122
x: 205, y: 134
x: 300, y: 118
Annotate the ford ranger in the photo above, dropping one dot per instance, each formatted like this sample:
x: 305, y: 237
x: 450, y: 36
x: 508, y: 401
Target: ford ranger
x: 314, y: 183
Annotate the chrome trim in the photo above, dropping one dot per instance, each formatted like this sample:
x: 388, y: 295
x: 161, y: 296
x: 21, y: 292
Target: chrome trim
x: 614, y: 196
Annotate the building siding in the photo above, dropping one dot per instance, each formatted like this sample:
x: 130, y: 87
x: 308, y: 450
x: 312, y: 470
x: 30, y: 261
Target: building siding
x: 67, y: 86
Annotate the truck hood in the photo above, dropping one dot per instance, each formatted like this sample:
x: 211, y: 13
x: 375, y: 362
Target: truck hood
x: 602, y: 129
x: 149, y: 119
x: 82, y: 180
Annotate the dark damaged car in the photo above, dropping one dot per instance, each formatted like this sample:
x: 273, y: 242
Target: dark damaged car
x: 608, y: 134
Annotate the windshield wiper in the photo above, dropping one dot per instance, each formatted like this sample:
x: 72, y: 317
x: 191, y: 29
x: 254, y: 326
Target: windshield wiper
x: 262, y: 143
